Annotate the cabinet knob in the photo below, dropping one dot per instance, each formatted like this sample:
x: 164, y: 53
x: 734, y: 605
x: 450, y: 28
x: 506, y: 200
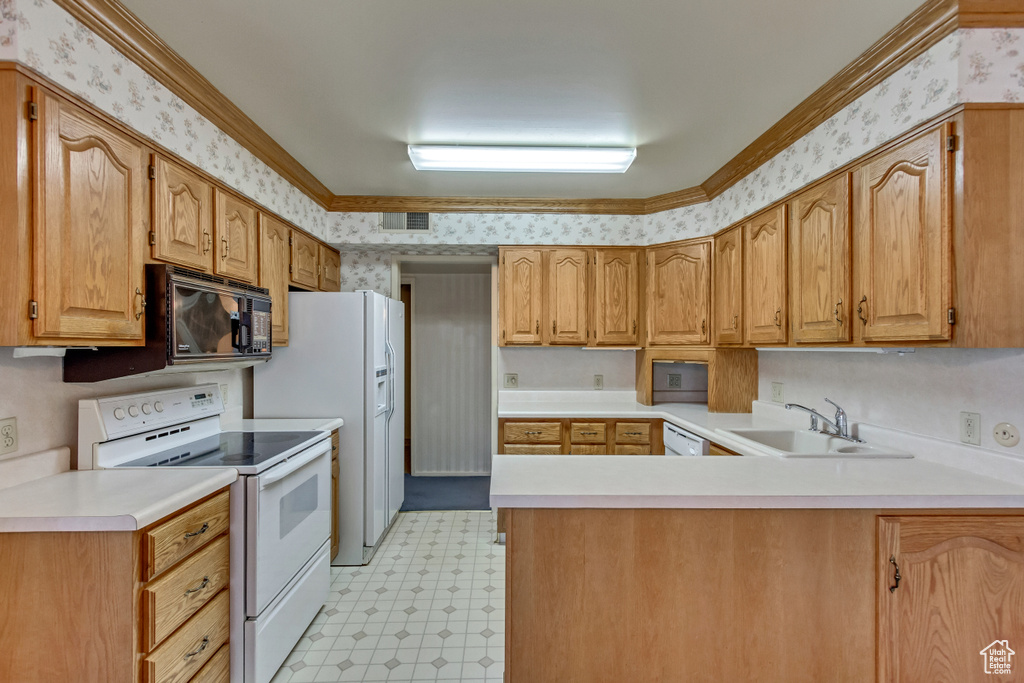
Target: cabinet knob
x: 860, y: 309
x: 202, y: 646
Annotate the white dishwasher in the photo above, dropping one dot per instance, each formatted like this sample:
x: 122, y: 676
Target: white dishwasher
x: 678, y: 441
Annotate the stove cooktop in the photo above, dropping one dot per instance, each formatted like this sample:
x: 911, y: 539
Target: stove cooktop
x: 247, y: 451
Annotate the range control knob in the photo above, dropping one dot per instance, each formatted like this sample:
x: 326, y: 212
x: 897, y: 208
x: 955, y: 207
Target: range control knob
x: 133, y: 411
x: 158, y: 407
x: 146, y: 409
x: 119, y: 413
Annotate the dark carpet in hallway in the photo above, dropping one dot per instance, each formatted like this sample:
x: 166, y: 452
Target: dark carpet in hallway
x: 446, y: 493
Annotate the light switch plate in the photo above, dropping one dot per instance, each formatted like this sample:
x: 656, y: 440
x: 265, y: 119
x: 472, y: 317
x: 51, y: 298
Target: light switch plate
x: 511, y: 380
x: 777, y: 394
x: 8, y: 435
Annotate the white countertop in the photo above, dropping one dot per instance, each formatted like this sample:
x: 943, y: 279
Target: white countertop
x: 759, y: 481
x: 106, y: 500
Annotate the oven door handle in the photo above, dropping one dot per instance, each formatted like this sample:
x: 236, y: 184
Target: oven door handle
x: 290, y: 466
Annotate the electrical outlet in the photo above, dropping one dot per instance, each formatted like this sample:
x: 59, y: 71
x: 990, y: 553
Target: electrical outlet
x: 8, y: 435
x: 777, y: 394
x: 1006, y: 434
x: 970, y: 428
x: 224, y: 393
x: 675, y: 381
x: 599, y: 382
x: 511, y: 380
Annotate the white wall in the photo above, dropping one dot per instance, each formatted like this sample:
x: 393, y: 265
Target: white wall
x: 567, y: 369
x: 451, y: 380
x: 31, y: 390
x: 922, y: 392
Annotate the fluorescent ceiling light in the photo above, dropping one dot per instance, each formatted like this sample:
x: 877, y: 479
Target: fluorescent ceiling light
x: 522, y: 159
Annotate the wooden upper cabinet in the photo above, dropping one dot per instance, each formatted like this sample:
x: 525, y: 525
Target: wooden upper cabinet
x: 679, y: 294
x: 616, y: 297
x: 819, y: 252
x: 566, y: 293
x: 275, y: 254
x: 182, y: 230
x: 901, y: 242
x: 521, y: 298
x: 764, y: 277
x: 235, y: 237
x: 305, y: 270
x: 728, y: 290
x: 89, y: 234
x: 330, y: 269
x: 961, y: 589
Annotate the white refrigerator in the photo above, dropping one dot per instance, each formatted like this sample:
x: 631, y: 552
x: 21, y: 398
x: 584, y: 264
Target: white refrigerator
x: 346, y: 358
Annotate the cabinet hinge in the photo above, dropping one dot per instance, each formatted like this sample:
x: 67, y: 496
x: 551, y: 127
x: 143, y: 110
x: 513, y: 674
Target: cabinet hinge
x: 33, y: 111
x: 951, y: 143
x: 152, y: 237
x: 152, y: 172
x: 33, y: 310
x: 289, y: 240
x: 951, y: 316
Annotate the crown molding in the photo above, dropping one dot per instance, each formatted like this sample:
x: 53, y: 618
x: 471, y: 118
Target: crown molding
x: 991, y: 13
x: 114, y: 23
x: 674, y: 200
x: 358, y: 203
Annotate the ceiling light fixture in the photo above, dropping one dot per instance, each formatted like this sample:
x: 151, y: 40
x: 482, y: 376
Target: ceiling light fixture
x: 522, y: 159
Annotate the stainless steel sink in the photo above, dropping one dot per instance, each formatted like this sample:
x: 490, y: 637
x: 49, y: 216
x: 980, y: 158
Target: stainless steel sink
x: 793, y: 443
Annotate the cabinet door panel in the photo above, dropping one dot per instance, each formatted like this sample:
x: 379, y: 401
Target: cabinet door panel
x: 235, y: 237
x: 819, y: 230
x: 182, y: 216
x: 902, y: 242
x: 616, y: 297
x: 330, y: 270
x: 305, y: 260
x: 961, y: 590
x: 764, y: 277
x: 274, y: 255
x: 521, y: 299
x: 567, y: 296
x: 678, y: 294
x: 728, y: 292
x: 88, y: 226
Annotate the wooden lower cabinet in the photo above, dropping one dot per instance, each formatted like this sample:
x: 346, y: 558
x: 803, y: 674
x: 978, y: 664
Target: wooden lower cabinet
x: 109, y: 606
x: 580, y: 436
x: 779, y: 596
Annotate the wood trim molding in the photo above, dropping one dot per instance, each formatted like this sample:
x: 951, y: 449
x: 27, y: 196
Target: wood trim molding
x: 113, y: 22
x: 991, y: 13
x: 674, y: 200
x: 352, y: 203
x: 929, y: 24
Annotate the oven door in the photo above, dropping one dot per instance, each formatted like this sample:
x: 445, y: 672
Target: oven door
x: 288, y: 518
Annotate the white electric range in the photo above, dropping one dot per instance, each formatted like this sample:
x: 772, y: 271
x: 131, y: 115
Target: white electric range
x: 280, y: 506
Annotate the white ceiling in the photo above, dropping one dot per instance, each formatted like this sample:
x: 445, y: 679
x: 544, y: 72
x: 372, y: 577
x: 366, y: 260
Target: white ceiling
x: 345, y: 85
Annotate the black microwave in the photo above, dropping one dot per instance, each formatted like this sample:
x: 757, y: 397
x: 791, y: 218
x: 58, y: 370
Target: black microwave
x: 192, y: 318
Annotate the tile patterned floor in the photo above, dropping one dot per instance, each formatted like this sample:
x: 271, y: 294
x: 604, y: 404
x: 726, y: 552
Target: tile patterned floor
x: 429, y: 607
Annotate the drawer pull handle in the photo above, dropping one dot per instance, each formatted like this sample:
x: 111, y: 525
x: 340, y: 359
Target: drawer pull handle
x: 206, y: 641
x: 633, y: 433
x: 204, y: 584
x: 860, y: 309
x: 836, y: 312
x: 142, y: 308
x: 589, y: 433
x: 897, y: 577
x: 531, y: 432
x: 202, y: 530
x: 778, y: 314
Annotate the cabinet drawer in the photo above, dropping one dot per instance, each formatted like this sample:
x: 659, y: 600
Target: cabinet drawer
x: 533, y: 432
x: 191, y: 646
x: 178, y: 537
x: 588, y: 449
x: 181, y: 592
x: 529, y: 449
x: 633, y: 432
x: 588, y: 432
x: 217, y: 670
x: 632, y: 450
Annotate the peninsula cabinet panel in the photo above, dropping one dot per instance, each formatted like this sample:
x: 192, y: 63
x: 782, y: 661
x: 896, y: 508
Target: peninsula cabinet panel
x: 959, y: 599
x: 521, y: 296
x: 728, y: 287
x: 819, y: 252
x: 764, y: 277
x: 901, y: 242
x: 679, y: 294
x: 616, y: 297
x: 330, y: 270
x: 89, y: 232
x: 275, y: 254
x: 305, y: 266
x: 566, y: 291
x: 182, y: 230
x: 235, y: 237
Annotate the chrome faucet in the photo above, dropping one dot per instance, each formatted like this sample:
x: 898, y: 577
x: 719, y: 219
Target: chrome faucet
x: 841, y: 424
x: 840, y: 427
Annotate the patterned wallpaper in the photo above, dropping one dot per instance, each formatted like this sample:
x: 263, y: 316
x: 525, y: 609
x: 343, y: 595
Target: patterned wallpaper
x: 971, y: 65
